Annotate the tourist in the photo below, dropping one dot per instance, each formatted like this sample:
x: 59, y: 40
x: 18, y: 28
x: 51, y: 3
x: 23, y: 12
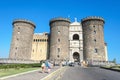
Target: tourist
x: 43, y: 67
x: 48, y: 66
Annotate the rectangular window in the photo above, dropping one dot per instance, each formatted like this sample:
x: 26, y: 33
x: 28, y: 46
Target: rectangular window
x: 17, y: 39
x: 18, y: 27
x: 58, y: 50
x: 58, y: 40
x: 94, y: 32
x: 96, y: 50
x: 94, y: 40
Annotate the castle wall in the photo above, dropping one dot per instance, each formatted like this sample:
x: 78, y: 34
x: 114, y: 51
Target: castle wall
x: 39, y: 47
x: 22, y: 36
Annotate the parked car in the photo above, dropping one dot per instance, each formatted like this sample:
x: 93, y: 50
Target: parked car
x: 72, y: 64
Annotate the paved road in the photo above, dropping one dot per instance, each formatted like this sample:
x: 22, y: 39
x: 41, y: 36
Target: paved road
x: 37, y: 75
x: 92, y: 73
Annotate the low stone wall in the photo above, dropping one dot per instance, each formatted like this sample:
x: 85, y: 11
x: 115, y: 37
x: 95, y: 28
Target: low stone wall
x: 100, y: 63
x: 16, y: 61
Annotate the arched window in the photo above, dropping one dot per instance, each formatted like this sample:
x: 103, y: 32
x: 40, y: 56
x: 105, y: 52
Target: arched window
x: 75, y: 37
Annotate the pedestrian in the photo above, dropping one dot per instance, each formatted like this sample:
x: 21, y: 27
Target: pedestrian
x: 43, y: 67
x: 47, y: 64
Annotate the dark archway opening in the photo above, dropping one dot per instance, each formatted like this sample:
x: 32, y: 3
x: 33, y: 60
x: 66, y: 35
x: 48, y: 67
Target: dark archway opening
x: 76, y: 57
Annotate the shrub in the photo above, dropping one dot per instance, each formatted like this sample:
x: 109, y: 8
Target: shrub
x: 18, y: 66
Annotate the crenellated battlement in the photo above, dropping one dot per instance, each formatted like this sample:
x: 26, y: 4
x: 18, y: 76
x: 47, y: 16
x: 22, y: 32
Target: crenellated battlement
x: 92, y: 18
x: 23, y: 21
x: 59, y: 19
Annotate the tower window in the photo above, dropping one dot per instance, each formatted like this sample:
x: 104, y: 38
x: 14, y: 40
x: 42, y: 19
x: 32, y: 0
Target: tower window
x: 17, y: 39
x: 95, y: 40
x: 94, y: 32
x: 18, y: 27
x: 58, y: 40
x: 58, y: 50
x: 58, y: 56
x: 96, y: 50
x: 75, y: 37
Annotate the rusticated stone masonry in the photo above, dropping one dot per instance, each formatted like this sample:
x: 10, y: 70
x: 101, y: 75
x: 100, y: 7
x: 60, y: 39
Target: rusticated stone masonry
x: 22, y: 36
x: 59, y: 36
x: 93, y: 38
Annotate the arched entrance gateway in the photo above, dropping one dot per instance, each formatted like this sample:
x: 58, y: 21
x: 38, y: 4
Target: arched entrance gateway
x: 76, y: 57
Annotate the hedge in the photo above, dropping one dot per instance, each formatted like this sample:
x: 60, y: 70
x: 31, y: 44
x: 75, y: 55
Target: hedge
x: 17, y: 66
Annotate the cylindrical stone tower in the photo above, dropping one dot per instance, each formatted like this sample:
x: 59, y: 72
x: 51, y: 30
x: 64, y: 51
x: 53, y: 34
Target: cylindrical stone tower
x: 93, y: 38
x: 59, y: 36
x: 22, y: 37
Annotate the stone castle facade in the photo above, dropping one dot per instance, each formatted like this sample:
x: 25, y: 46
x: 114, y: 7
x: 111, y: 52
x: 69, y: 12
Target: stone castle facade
x: 40, y: 46
x: 76, y: 41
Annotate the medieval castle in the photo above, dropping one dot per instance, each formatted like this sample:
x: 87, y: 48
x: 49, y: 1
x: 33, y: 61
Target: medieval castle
x: 76, y: 41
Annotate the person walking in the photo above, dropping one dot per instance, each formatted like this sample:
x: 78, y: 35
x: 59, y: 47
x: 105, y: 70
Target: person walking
x: 47, y: 64
x: 43, y: 67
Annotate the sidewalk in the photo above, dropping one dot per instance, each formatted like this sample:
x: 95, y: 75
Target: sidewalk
x: 36, y: 75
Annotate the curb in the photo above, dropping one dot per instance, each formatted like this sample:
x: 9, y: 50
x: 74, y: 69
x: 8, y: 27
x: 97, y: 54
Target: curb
x: 56, y: 74
x: 2, y: 78
x: 61, y: 74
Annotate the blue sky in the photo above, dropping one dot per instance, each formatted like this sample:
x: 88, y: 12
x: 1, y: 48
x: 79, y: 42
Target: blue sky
x: 41, y: 11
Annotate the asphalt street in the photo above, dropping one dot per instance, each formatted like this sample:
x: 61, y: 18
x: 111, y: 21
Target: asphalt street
x: 91, y: 73
x: 36, y: 75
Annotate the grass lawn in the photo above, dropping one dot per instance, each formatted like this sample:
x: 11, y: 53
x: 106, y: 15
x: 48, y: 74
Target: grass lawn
x: 9, y: 72
x: 116, y: 67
